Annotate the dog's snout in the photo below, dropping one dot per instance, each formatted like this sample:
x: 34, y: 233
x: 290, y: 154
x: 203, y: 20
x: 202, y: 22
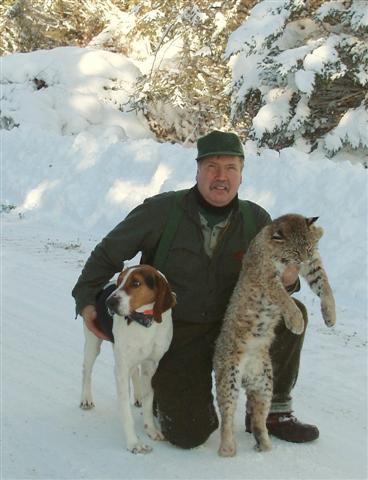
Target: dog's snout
x: 112, y: 302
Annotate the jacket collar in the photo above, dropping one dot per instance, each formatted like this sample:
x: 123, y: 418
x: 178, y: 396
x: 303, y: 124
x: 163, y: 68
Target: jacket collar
x: 191, y: 204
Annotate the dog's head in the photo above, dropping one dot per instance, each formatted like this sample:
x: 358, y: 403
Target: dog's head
x: 140, y: 286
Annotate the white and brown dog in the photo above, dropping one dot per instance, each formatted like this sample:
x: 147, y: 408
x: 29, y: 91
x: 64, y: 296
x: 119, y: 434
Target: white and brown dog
x: 142, y: 329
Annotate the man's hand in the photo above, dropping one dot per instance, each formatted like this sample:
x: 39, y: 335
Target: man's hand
x: 89, y: 315
x: 290, y: 275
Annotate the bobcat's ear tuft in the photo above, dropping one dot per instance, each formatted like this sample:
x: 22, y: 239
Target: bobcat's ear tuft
x: 311, y: 220
x: 278, y: 236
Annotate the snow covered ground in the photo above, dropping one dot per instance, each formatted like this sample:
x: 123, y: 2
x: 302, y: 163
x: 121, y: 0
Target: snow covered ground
x: 72, y: 169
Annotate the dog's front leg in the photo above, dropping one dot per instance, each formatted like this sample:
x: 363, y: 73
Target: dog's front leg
x: 148, y: 369
x: 122, y: 384
x: 137, y: 389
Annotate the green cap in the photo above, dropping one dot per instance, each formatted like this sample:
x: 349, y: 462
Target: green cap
x: 219, y: 143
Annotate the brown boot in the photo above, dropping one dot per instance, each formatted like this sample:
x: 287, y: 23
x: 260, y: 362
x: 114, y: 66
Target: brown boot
x: 287, y: 427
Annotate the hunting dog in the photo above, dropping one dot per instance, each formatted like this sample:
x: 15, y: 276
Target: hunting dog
x: 140, y: 306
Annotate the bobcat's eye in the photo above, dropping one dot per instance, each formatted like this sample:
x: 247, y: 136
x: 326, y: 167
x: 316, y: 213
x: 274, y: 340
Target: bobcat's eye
x: 278, y: 236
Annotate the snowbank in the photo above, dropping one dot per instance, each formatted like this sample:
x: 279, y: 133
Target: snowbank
x: 71, y: 170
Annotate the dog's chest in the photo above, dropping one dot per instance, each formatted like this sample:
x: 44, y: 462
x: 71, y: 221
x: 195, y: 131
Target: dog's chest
x: 135, y: 342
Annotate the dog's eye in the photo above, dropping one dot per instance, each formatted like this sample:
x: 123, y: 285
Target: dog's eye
x: 135, y: 284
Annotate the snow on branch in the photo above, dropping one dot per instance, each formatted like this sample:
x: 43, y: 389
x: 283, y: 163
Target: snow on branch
x: 301, y: 69
x: 352, y: 129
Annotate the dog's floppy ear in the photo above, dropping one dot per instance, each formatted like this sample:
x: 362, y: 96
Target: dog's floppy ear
x: 122, y: 275
x: 165, y: 298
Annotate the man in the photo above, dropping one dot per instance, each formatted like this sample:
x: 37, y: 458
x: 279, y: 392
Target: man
x: 202, y: 265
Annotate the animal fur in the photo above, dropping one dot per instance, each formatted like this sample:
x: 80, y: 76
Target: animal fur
x: 258, y: 304
x: 137, y: 349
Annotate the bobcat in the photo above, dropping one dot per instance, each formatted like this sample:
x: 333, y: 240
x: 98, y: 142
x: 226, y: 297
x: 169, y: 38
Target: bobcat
x: 258, y: 303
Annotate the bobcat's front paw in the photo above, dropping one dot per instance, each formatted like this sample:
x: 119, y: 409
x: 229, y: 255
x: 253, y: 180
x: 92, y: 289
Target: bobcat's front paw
x: 295, y: 322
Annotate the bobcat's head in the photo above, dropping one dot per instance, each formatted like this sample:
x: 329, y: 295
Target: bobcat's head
x: 294, y: 238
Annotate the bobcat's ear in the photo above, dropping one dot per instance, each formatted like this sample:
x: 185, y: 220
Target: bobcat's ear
x: 278, y: 236
x: 311, y: 220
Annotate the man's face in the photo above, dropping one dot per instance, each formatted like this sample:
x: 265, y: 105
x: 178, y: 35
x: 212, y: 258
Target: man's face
x: 218, y: 178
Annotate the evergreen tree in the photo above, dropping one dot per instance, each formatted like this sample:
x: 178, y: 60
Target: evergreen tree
x: 300, y: 69
x: 295, y: 72
x: 182, y: 93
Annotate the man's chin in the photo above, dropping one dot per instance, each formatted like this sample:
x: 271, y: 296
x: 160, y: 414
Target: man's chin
x: 220, y: 200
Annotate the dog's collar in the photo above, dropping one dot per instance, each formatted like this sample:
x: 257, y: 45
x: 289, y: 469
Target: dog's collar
x: 144, y: 318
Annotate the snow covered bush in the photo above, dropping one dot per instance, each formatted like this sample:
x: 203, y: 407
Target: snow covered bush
x: 294, y: 73
x: 178, y: 46
x: 28, y: 25
x: 300, y: 72
x: 182, y: 93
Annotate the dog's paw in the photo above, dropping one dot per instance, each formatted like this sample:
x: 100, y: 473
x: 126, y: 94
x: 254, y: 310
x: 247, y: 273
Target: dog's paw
x: 154, y: 434
x: 86, y: 404
x: 140, y: 448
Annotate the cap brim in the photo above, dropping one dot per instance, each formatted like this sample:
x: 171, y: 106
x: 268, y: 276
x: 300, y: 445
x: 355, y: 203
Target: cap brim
x: 225, y: 152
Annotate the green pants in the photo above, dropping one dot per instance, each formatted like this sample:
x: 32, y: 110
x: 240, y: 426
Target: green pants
x: 183, y: 381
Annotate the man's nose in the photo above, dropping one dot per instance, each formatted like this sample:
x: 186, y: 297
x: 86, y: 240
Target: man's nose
x: 220, y: 173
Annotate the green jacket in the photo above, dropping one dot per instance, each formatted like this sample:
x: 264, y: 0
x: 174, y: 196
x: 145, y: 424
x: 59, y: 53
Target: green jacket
x: 203, y: 285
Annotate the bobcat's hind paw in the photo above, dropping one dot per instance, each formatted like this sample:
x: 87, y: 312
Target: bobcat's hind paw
x: 227, y: 449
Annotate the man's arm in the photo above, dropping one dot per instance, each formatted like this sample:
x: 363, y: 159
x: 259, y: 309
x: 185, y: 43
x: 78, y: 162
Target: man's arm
x: 89, y: 315
x: 139, y: 231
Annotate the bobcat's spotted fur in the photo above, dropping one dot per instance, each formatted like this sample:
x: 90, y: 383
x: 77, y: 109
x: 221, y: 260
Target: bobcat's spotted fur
x: 258, y: 303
